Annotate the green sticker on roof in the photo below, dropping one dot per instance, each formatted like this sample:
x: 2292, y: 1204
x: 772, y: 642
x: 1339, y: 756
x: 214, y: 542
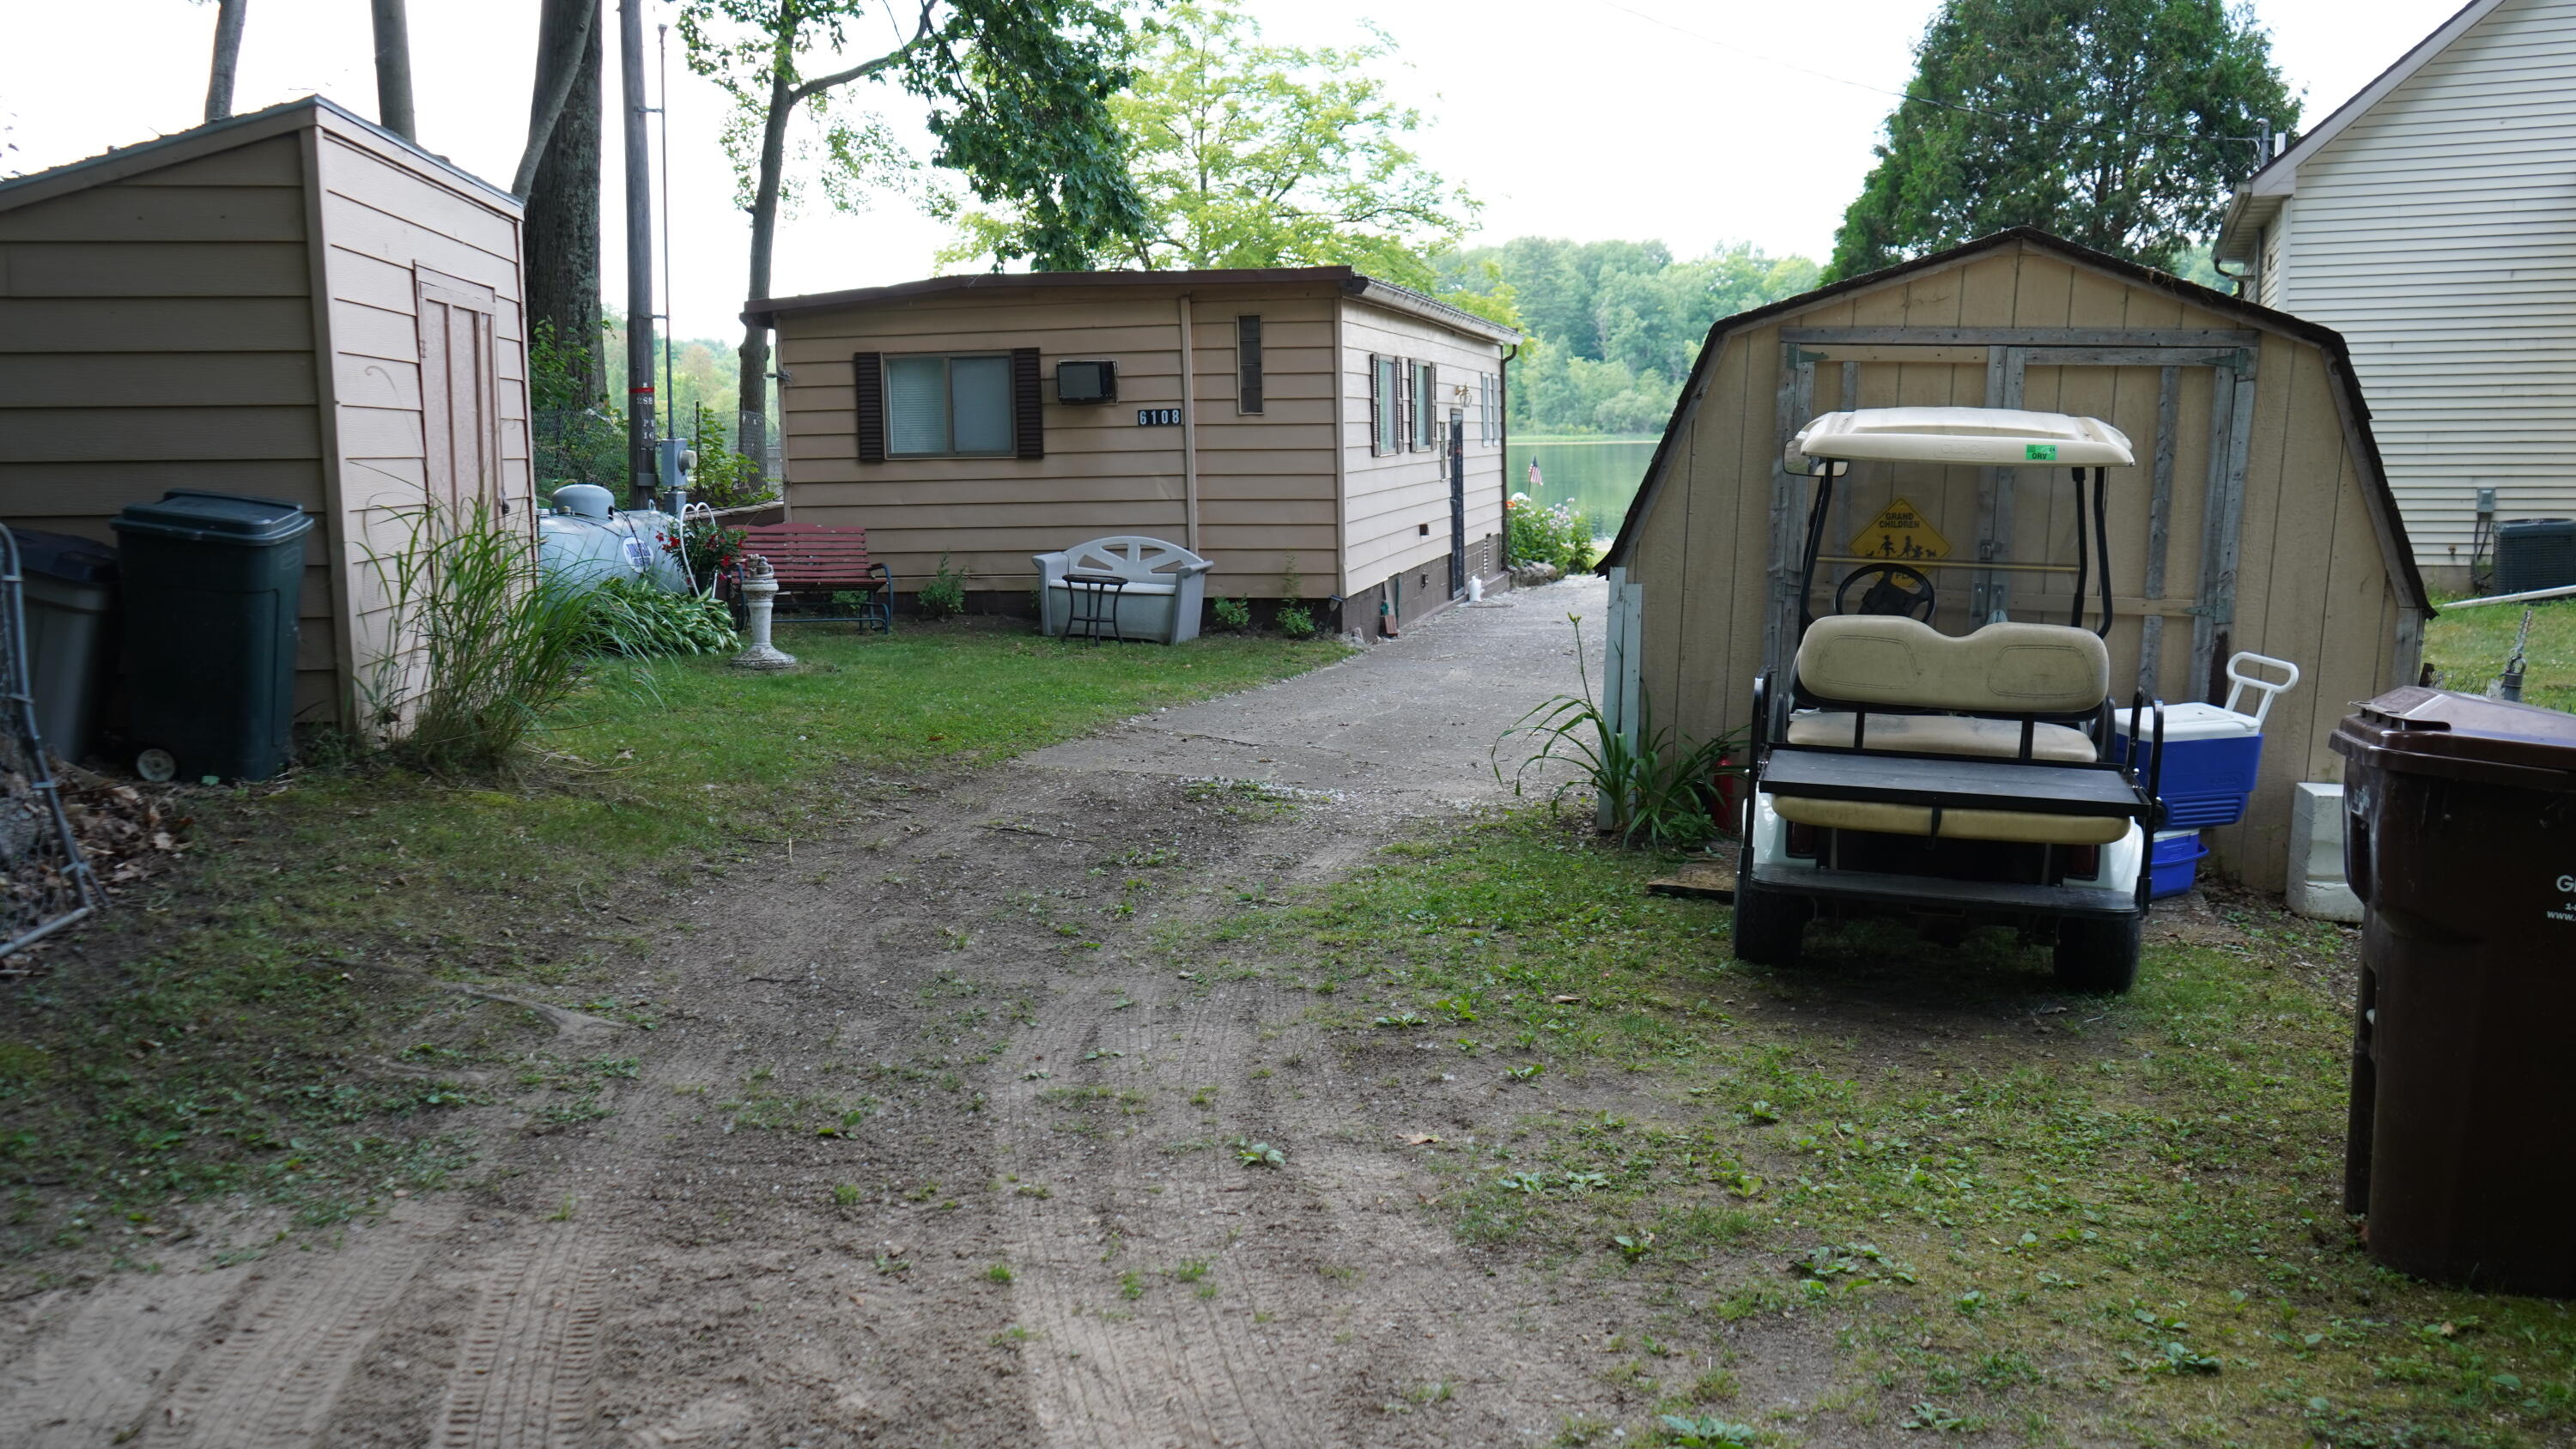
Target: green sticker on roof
x: 2039, y: 452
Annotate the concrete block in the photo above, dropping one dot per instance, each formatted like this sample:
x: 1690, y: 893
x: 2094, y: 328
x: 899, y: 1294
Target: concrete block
x: 2317, y: 885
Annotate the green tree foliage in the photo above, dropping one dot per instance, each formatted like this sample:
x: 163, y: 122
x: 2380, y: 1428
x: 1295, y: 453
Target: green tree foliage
x: 1614, y: 325
x: 2120, y: 124
x: 1017, y: 97
x: 1250, y: 154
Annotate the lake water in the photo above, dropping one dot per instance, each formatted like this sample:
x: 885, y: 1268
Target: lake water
x: 1600, y: 474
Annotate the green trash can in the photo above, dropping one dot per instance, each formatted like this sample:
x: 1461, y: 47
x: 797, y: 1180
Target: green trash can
x: 211, y: 581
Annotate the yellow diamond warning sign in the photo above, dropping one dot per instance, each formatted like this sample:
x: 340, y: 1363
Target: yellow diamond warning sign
x: 1900, y: 531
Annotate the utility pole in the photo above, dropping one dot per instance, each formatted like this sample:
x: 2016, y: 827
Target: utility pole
x: 641, y: 468
x: 393, y: 70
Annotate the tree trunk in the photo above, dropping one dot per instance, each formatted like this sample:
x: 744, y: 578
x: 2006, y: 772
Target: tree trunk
x: 219, y: 79
x: 751, y: 409
x: 393, y: 70
x: 563, y: 232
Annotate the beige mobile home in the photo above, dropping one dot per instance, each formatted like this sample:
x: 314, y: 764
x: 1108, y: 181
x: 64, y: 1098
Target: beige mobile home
x: 292, y: 304
x: 1302, y: 418
x: 2257, y: 517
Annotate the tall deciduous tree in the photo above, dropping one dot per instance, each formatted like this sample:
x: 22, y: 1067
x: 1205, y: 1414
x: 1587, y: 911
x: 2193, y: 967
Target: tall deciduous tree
x: 229, y: 15
x: 1257, y: 155
x: 2120, y: 124
x: 1017, y: 97
x: 559, y: 176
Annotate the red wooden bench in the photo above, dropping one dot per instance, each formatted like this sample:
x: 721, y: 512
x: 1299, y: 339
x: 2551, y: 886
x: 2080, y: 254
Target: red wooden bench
x: 815, y: 561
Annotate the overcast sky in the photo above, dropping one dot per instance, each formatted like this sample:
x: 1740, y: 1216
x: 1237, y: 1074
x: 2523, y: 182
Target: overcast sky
x: 1692, y: 123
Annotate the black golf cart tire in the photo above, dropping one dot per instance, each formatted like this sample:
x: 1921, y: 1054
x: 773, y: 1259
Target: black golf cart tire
x: 2099, y: 954
x: 1770, y: 926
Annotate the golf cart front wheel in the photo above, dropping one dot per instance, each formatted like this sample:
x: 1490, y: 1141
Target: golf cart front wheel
x: 2098, y: 954
x: 1769, y: 926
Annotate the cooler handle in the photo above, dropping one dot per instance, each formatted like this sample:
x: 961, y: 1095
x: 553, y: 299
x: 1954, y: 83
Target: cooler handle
x: 2241, y: 681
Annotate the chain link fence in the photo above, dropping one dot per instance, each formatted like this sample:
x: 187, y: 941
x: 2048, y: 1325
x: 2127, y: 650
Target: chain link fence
x: 45, y: 883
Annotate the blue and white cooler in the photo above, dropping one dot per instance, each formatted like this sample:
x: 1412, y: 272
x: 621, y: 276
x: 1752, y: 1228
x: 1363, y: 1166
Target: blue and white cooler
x: 2212, y: 753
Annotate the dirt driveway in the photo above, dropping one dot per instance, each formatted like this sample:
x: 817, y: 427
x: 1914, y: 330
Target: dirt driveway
x: 934, y: 1143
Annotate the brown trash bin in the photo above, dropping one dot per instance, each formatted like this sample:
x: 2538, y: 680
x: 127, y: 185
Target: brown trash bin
x: 2460, y: 836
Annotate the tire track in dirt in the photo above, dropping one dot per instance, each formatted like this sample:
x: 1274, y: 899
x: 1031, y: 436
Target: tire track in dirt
x: 523, y: 1377
x: 90, y: 1380
x: 270, y: 1380
x: 1182, y: 1369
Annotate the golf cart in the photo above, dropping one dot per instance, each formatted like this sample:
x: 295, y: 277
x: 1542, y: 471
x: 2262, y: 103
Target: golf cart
x: 1954, y: 780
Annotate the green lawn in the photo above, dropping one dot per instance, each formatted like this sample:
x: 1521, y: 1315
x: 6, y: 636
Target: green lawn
x: 2065, y: 1219
x: 2470, y: 646
x: 213, y: 1033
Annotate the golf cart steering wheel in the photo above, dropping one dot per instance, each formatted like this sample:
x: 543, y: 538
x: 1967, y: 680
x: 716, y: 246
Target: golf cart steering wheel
x: 1900, y: 589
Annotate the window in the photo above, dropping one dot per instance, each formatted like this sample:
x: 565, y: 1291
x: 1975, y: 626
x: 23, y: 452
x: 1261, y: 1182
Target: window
x: 1247, y: 364
x: 1489, y: 407
x: 1424, y: 402
x: 1386, y: 406
x: 948, y: 406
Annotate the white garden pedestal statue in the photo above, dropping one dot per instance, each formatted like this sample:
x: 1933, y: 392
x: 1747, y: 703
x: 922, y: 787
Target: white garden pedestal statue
x: 759, y: 597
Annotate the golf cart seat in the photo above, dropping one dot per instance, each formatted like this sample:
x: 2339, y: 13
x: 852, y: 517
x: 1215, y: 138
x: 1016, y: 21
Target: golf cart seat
x: 1938, y: 734
x: 1998, y: 677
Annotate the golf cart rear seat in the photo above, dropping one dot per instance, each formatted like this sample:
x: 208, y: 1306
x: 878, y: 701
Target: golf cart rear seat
x: 1873, y: 663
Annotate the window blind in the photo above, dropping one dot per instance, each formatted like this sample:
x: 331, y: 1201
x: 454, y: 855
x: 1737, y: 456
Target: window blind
x: 916, y: 391
x: 980, y: 402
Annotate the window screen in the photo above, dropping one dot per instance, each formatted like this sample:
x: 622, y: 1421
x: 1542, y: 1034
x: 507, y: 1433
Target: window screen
x: 939, y: 406
x: 1247, y: 364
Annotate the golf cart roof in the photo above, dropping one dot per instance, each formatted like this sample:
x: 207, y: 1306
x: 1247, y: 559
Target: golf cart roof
x: 1982, y: 437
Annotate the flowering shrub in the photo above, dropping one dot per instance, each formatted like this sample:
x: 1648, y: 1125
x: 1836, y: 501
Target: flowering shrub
x: 1561, y: 535
x: 706, y: 548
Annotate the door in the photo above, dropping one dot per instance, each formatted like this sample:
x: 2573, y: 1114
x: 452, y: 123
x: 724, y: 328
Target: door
x: 1457, y: 502
x: 460, y: 432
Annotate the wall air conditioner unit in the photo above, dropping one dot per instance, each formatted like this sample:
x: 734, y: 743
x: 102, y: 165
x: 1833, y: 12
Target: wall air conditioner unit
x: 1086, y: 382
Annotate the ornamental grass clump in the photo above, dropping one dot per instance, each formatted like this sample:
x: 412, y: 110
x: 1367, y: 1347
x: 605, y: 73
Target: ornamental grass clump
x: 484, y: 646
x: 1656, y: 791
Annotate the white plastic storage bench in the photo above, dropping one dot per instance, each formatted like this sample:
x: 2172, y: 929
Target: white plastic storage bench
x: 1161, y: 588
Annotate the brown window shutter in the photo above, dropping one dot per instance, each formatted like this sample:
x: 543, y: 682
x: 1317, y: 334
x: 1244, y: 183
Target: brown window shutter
x: 867, y: 376
x: 1028, y: 411
x: 1377, y: 406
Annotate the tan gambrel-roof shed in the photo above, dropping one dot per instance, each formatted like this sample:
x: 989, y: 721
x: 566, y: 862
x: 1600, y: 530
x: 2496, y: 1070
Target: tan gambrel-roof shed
x: 2257, y: 517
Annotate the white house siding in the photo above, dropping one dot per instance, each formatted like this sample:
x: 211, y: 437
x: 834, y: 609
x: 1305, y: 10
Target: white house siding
x: 1388, y: 499
x: 2276, y: 260
x: 2438, y: 234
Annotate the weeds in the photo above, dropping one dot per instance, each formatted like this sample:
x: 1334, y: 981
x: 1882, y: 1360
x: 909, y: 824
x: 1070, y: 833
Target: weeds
x: 1658, y: 793
x: 483, y: 649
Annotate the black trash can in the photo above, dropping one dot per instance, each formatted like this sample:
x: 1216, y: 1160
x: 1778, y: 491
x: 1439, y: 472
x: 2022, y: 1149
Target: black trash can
x: 2460, y: 837
x: 210, y: 592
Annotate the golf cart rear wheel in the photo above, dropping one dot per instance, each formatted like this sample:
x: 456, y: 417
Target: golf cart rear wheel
x: 1769, y: 926
x: 2098, y: 954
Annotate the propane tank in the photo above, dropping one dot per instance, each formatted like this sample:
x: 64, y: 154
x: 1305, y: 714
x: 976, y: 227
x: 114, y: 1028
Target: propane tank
x: 586, y: 540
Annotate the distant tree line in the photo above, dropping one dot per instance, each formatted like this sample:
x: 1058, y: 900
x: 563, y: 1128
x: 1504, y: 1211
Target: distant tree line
x: 1613, y: 326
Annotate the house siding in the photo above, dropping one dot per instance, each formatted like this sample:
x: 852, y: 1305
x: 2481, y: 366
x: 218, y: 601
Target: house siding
x: 1388, y: 498
x: 2437, y: 232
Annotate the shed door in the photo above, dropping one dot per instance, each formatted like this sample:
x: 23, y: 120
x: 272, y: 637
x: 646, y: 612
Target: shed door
x: 459, y: 425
